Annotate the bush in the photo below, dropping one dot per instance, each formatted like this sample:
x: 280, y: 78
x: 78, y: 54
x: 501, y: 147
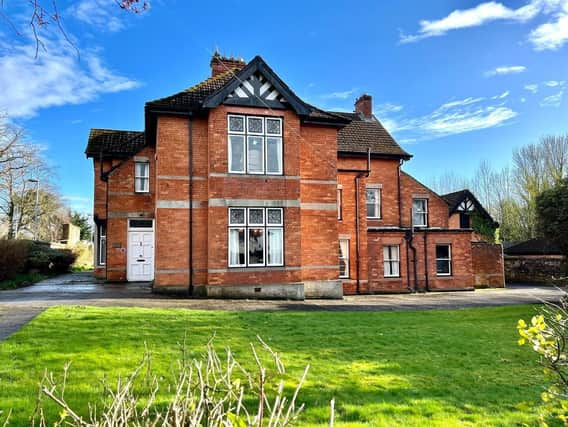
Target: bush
x: 214, y: 390
x: 47, y: 260
x: 13, y: 254
x: 547, y: 334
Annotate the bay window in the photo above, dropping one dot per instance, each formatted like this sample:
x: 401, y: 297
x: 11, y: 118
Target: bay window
x: 256, y: 237
x: 255, y: 145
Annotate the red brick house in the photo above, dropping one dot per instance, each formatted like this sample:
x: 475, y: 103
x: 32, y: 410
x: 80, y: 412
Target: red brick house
x: 238, y: 188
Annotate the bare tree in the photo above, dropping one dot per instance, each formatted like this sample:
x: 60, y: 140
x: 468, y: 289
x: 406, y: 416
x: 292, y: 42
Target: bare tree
x: 555, y: 151
x: 43, y: 13
x: 20, y: 162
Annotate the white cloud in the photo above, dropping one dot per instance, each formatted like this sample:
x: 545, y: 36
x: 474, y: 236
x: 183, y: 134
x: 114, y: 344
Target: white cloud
x: 553, y: 100
x: 386, y: 108
x: 476, y: 16
x: 502, y: 96
x: 511, y: 69
x: 102, y: 14
x: 451, y: 118
x: 339, y: 95
x: 554, y: 83
x: 533, y: 87
x: 58, y: 78
x: 550, y: 35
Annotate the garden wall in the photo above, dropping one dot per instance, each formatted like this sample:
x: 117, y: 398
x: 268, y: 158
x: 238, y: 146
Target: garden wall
x: 533, y: 268
x: 488, y: 265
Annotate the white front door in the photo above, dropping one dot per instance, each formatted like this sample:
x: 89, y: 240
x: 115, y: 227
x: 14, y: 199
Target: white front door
x: 140, y: 256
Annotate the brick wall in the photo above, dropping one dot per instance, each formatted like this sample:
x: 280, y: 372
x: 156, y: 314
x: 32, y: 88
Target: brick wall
x: 487, y: 264
x: 534, y: 269
x: 123, y: 203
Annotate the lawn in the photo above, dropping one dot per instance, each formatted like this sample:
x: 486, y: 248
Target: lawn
x: 431, y: 368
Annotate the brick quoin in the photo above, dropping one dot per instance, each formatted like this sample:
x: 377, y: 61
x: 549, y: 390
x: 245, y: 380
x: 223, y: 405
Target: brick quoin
x: 314, y: 168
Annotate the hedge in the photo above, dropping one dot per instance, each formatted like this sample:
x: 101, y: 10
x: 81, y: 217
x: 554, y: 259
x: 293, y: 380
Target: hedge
x: 23, y: 256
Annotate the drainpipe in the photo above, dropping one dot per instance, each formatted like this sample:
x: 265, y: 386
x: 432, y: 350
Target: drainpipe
x: 426, y: 282
x: 190, y: 167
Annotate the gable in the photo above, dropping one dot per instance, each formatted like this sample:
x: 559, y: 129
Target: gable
x: 466, y: 205
x: 256, y: 85
x: 256, y: 90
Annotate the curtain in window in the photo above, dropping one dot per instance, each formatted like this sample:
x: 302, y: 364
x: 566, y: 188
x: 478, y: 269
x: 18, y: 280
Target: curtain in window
x: 236, y: 153
x: 275, y: 246
x: 236, y: 246
x: 274, y: 155
x: 255, y: 154
x: 343, y: 258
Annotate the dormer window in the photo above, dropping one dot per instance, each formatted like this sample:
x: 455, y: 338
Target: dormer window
x: 255, y: 145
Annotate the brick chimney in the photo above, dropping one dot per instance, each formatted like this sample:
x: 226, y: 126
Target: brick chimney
x: 364, y: 105
x: 220, y: 64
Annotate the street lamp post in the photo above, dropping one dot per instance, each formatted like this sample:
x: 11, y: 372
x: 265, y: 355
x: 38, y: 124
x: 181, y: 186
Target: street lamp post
x: 36, y: 208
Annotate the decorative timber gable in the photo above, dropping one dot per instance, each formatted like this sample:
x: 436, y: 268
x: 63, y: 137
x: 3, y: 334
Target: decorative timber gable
x: 256, y: 85
x: 256, y: 88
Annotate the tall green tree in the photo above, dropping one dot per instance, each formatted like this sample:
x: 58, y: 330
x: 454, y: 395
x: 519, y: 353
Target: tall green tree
x: 82, y: 221
x: 552, y: 215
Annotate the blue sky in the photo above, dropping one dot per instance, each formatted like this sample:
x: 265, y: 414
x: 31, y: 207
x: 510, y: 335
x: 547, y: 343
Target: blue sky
x: 454, y: 81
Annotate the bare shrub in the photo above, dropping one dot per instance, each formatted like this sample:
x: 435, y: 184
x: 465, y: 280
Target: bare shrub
x: 215, y: 390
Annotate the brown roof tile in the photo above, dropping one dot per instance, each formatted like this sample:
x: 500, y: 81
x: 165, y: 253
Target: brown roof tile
x: 362, y: 134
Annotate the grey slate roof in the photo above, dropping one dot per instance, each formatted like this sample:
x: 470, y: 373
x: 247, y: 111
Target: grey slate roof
x: 533, y: 247
x: 362, y: 134
x: 114, y: 143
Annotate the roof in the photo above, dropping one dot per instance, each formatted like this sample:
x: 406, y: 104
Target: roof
x: 362, y: 134
x: 192, y: 98
x: 114, y: 143
x: 533, y: 247
x: 454, y: 199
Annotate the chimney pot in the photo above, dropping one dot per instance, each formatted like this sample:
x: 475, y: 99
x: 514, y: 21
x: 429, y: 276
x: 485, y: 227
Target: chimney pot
x: 219, y: 63
x: 364, y: 105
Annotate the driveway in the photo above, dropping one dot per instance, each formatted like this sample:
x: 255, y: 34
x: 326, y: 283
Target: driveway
x: 19, y: 306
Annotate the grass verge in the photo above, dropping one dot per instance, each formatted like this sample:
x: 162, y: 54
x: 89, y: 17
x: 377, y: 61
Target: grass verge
x: 433, y: 368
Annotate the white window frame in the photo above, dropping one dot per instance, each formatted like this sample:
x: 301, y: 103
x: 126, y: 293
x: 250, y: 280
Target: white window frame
x: 246, y: 134
x: 449, y: 259
x: 145, y: 179
x: 247, y: 226
x: 344, y: 258
x: 100, y: 238
x: 422, y: 213
x: 390, y: 261
x: 376, y: 205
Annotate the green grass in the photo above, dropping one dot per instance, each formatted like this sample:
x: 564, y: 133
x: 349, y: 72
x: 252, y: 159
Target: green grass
x: 22, y: 279
x: 432, y: 368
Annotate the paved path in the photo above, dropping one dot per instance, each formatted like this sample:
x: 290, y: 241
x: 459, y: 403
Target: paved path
x: 19, y: 306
